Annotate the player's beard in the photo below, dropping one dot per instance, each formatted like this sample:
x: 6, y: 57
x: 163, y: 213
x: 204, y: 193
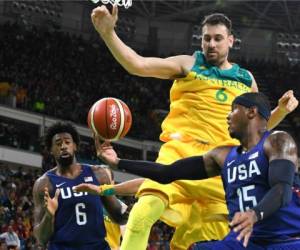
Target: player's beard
x: 232, y: 135
x: 236, y: 135
x: 66, y: 161
x: 217, y: 60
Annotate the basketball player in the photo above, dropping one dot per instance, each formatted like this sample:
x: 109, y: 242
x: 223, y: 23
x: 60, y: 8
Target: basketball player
x: 201, y: 96
x: 258, y: 177
x: 114, y: 231
x: 63, y: 218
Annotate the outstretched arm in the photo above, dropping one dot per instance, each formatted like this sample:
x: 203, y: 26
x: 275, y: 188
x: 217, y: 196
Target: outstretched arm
x: 128, y: 187
x: 286, y: 104
x: 192, y: 168
x: 168, y: 68
x: 122, y: 189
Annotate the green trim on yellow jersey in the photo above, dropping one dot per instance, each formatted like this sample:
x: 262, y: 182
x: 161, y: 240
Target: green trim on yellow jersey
x: 201, y: 101
x: 203, y: 70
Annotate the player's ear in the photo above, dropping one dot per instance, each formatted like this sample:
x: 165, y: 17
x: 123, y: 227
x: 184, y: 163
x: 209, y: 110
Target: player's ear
x: 231, y: 40
x: 252, y: 112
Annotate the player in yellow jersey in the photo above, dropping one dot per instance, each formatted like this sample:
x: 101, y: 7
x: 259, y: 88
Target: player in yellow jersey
x: 204, y: 87
x: 114, y: 231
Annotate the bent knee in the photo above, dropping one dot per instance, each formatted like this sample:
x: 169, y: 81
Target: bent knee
x: 145, y: 212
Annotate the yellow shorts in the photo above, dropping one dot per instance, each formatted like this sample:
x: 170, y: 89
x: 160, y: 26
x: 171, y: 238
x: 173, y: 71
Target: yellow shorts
x: 113, y: 233
x: 180, y: 195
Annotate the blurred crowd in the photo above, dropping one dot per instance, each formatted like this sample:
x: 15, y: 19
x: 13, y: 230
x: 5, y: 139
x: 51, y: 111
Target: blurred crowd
x: 16, y: 218
x: 19, y: 135
x: 60, y: 75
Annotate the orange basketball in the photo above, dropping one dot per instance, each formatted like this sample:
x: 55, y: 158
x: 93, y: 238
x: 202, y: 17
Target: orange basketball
x: 109, y: 118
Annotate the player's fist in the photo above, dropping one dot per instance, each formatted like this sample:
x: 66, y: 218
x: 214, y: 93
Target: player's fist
x: 288, y: 102
x: 51, y: 204
x: 104, y: 21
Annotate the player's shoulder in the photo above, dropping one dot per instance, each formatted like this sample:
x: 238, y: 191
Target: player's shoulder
x: 279, y: 139
x: 279, y: 136
x: 198, y: 53
x: 96, y: 169
x: 244, y: 73
x: 42, y: 182
x: 100, y: 167
x: 42, y: 179
x: 101, y: 173
x: 219, y: 154
x: 199, y: 57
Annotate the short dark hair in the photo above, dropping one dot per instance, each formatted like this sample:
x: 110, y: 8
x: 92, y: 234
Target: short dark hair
x: 61, y: 127
x: 258, y: 100
x: 218, y: 18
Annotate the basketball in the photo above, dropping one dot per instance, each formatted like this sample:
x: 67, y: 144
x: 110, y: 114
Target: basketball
x: 109, y: 118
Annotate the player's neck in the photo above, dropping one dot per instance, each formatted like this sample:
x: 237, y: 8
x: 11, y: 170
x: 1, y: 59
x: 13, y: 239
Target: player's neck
x: 71, y: 171
x: 251, y: 138
x: 225, y: 65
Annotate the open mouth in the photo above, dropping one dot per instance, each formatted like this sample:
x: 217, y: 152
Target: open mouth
x: 65, y: 155
x: 212, y: 53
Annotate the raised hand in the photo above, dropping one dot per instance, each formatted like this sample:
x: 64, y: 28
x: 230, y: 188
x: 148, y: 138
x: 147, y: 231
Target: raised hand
x: 104, y: 21
x: 106, y: 152
x: 288, y: 102
x: 243, y: 222
x: 51, y: 205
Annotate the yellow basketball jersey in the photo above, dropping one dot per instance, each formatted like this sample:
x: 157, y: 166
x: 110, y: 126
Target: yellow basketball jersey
x: 201, y: 101
x: 113, y: 233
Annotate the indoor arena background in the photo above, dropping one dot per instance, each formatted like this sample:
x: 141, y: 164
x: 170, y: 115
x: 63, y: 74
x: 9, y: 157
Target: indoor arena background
x: 53, y: 65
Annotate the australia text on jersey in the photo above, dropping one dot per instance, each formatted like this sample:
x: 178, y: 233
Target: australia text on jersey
x: 223, y: 83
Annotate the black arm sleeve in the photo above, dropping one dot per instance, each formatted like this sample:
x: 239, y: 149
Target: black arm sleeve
x: 191, y: 168
x: 281, y: 176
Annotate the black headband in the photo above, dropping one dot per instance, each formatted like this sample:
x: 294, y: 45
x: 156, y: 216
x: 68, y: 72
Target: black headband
x: 262, y: 109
